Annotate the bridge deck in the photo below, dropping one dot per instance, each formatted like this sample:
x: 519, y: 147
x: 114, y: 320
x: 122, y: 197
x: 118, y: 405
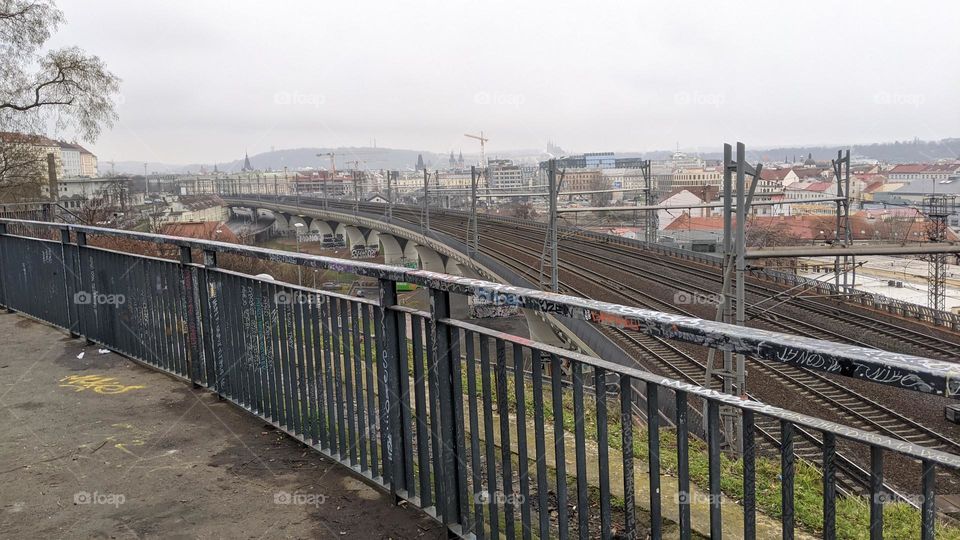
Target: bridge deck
x: 100, y: 446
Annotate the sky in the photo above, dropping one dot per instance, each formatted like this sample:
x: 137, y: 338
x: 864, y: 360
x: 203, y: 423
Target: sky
x: 205, y: 81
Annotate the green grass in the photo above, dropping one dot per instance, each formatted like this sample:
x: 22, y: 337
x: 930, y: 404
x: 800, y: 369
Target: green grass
x: 852, y: 513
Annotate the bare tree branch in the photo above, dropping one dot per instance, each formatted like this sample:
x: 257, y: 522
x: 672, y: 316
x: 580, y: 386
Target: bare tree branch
x: 66, y: 88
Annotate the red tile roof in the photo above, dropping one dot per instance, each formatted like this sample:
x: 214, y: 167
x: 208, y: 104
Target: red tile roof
x: 820, y: 186
x: 809, y: 173
x: 774, y: 174
x: 908, y: 168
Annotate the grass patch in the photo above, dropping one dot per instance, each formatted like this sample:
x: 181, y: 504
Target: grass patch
x: 852, y: 513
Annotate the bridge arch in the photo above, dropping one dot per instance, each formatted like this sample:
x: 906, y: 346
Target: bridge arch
x: 298, y: 220
x: 390, y: 248
x: 373, y: 237
x: 280, y: 223
x: 241, y: 212
x: 410, y: 252
x: 351, y: 235
x: 430, y: 259
x: 320, y: 226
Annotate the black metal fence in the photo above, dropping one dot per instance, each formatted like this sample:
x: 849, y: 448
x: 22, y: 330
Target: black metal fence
x: 492, y: 434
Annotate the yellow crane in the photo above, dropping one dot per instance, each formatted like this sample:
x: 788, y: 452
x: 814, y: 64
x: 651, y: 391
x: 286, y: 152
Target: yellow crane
x: 483, y: 140
x: 333, y: 161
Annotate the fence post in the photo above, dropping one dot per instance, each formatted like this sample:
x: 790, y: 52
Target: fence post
x: 3, y: 262
x: 66, y: 259
x: 189, y: 279
x: 210, y: 311
x: 393, y: 365
x: 446, y: 358
x: 83, y: 321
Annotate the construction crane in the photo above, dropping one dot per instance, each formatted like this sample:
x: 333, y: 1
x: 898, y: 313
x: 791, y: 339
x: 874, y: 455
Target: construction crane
x: 356, y: 163
x: 333, y: 161
x: 483, y: 140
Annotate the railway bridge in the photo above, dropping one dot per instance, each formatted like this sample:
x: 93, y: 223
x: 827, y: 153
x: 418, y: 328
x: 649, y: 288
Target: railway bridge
x: 404, y: 242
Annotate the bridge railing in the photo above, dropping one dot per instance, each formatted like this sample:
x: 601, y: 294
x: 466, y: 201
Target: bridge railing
x: 488, y: 432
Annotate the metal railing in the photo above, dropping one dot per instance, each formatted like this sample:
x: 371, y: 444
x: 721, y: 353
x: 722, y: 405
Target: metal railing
x: 490, y: 433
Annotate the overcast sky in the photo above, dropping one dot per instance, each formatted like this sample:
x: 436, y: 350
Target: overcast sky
x: 205, y: 80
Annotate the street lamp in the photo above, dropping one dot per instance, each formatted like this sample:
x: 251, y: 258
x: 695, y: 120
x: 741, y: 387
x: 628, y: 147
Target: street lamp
x: 297, y: 228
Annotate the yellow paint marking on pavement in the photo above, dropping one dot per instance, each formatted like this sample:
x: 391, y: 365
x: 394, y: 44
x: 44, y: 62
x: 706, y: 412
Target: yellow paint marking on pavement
x: 98, y: 383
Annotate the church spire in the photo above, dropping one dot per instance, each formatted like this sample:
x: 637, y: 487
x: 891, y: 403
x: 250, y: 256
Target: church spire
x: 246, y: 162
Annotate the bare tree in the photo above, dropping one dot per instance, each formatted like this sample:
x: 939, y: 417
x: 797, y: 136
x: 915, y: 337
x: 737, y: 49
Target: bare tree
x: 765, y: 233
x: 600, y: 183
x: 66, y: 88
x: 22, y: 169
x: 523, y: 210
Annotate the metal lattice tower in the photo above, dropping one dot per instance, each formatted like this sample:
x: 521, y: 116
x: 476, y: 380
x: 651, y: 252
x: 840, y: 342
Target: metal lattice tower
x: 842, y: 233
x: 937, y: 208
x: 651, y: 223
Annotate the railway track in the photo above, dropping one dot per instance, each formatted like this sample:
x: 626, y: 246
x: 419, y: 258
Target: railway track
x: 928, y: 344
x: 858, y: 410
x: 672, y: 361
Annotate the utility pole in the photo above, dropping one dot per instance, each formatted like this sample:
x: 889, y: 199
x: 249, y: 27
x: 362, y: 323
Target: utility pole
x: 323, y: 184
x: 651, y: 225
x: 732, y: 303
x: 389, y: 196
x: 425, y: 222
x: 554, y: 191
x: 323, y: 181
x: 356, y: 192
x: 473, y: 240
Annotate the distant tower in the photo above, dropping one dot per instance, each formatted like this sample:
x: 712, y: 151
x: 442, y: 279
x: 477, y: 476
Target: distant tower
x: 215, y: 171
x: 810, y: 160
x: 453, y: 160
x: 246, y: 163
x: 460, y: 160
x: 420, y: 165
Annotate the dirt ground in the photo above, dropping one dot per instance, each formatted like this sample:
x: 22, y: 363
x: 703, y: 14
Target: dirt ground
x: 100, y: 447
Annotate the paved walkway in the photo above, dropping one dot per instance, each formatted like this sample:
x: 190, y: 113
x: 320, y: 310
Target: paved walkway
x: 99, y: 446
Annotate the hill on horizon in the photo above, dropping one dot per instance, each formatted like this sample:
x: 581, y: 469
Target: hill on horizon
x: 911, y: 151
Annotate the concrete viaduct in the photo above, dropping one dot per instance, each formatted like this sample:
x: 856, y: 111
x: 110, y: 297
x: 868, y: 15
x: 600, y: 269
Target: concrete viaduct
x: 401, y: 243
